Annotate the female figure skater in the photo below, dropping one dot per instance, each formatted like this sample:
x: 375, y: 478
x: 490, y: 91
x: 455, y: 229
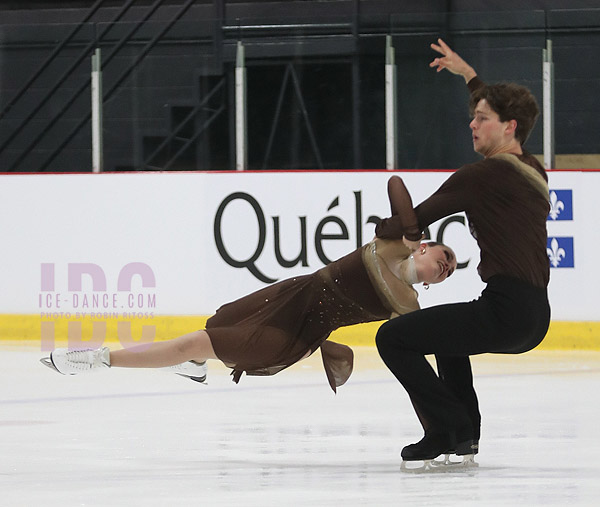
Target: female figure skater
x: 277, y: 326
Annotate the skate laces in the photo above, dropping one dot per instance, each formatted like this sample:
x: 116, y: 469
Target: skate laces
x: 85, y: 359
x: 80, y: 359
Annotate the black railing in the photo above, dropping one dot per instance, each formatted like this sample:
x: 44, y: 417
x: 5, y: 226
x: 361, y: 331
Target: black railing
x: 61, y: 80
x: 56, y: 51
x: 290, y: 42
x: 106, y: 96
x: 175, y: 133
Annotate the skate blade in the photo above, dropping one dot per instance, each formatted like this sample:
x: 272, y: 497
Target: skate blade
x: 47, y: 361
x: 436, y: 466
x: 200, y: 380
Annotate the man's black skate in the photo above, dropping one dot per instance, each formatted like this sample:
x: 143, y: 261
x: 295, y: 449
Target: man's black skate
x: 429, y: 447
x: 433, y: 445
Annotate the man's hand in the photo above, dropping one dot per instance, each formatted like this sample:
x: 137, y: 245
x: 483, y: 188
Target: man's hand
x: 451, y: 61
x: 412, y: 245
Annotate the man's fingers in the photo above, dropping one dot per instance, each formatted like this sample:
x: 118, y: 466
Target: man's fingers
x: 437, y: 48
x: 444, y: 45
x: 438, y: 62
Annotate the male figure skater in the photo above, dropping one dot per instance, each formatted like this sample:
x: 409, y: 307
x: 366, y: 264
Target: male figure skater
x: 505, y: 197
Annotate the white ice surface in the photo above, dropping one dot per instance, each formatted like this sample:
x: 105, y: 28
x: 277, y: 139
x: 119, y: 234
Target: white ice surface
x: 148, y: 438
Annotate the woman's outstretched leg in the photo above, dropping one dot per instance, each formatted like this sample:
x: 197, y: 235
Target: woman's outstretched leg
x: 194, y: 346
x: 185, y: 355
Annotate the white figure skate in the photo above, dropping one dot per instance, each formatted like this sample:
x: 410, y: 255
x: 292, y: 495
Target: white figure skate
x: 73, y: 362
x: 190, y: 369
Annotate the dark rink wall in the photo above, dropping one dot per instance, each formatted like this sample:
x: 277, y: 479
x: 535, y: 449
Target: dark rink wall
x: 315, y: 73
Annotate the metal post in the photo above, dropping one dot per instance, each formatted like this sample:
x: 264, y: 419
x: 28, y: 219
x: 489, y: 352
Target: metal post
x: 241, y: 138
x: 357, y: 155
x: 97, y: 147
x: 548, y: 105
x: 391, y: 115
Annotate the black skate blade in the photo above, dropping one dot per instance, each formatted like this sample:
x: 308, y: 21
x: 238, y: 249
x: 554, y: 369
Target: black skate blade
x: 47, y: 361
x: 200, y: 380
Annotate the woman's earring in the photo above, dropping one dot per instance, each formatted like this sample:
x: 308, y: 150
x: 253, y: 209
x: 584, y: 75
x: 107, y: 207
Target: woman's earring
x: 425, y: 285
x: 422, y: 251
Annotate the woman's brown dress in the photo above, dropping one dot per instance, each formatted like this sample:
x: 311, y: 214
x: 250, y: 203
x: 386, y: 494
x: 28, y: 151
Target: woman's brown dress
x: 273, y: 328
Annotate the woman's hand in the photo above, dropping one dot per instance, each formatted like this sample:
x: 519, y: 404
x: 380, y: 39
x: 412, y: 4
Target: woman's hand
x: 451, y: 61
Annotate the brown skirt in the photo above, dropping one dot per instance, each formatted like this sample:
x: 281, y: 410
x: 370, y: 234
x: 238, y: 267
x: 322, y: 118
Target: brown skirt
x: 275, y: 327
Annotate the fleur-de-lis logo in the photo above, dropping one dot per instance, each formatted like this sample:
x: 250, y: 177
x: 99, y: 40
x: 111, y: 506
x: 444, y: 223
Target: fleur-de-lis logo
x: 555, y: 253
x: 556, y: 206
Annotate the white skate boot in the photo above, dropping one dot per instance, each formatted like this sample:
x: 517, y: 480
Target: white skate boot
x: 72, y: 362
x: 190, y: 369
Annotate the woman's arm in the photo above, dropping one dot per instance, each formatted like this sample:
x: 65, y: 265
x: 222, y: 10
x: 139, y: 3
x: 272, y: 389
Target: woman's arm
x: 403, y: 222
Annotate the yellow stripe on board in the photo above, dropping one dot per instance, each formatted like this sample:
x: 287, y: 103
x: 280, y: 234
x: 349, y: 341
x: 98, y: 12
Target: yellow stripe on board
x: 50, y: 333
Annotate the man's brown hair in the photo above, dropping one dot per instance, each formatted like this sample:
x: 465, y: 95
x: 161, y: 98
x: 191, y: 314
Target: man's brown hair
x: 509, y: 101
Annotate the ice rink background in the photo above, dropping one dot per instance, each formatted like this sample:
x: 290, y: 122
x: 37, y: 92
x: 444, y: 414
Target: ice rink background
x: 142, y: 437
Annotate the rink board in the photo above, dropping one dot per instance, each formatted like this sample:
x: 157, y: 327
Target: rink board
x: 30, y: 330
x: 153, y: 248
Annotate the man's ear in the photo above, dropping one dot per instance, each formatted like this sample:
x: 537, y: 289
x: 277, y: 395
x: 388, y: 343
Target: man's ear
x: 511, y: 127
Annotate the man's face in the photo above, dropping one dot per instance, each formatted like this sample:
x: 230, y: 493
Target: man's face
x: 489, y: 133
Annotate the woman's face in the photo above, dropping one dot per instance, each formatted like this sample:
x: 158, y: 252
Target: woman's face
x: 434, y: 263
